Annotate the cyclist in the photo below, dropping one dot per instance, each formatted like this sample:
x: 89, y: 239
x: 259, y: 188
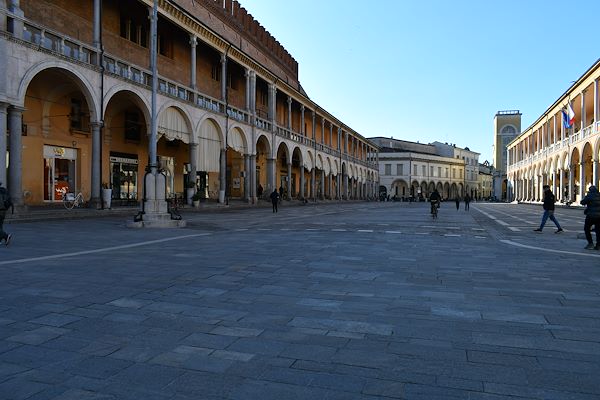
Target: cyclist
x: 435, y: 199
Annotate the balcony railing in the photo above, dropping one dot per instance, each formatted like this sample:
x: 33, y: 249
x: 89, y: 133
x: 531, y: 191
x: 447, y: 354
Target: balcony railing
x: 75, y: 50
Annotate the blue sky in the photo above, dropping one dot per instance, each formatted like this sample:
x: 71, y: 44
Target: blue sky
x: 431, y: 70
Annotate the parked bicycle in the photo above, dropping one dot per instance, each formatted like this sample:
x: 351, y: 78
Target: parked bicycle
x: 70, y: 200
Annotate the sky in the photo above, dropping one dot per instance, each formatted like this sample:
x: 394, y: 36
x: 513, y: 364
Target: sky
x: 427, y: 70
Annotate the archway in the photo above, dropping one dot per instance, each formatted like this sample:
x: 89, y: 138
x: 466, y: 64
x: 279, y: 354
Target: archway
x: 209, y: 157
x: 263, y: 175
x: 237, y: 174
x: 57, y: 123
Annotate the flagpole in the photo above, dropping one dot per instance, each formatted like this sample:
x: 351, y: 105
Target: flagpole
x: 153, y: 57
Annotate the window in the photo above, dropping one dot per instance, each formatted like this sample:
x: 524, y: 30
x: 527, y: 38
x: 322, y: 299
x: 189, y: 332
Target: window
x: 453, y: 173
x: 440, y: 172
x: 388, y: 169
x: 415, y: 170
x: 446, y: 172
x: 165, y: 46
x: 78, y: 119
x: 134, y: 31
x: 424, y: 169
x: 399, y: 169
x: 430, y: 171
x: 215, y: 72
x: 132, y: 127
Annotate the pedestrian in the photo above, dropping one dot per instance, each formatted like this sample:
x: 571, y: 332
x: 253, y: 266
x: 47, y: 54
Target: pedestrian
x: 592, y: 216
x: 467, y: 201
x: 549, y: 201
x: 274, y: 199
x: 457, y: 200
x: 259, y: 191
x: 5, y: 204
x: 280, y: 193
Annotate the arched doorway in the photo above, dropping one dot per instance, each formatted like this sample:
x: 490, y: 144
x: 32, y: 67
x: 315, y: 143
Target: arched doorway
x: 236, y: 164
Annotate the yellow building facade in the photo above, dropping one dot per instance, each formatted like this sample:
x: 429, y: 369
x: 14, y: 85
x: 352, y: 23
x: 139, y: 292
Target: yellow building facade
x: 233, y: 119
x: 550, y: 152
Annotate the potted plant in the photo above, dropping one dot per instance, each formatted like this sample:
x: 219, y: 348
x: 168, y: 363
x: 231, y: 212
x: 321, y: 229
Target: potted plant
x: 106, y: 195
x: 196, y: 199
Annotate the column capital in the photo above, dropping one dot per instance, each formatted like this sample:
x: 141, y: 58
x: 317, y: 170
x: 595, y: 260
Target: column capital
x: 289, y: 100
x: 97, y: 124
x: 193, y: 40
x: 16, y: 109
x: 302, y: 108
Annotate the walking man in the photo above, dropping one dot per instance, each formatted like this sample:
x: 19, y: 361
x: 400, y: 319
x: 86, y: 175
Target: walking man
x: 467, y: 201
x: 549, y: 201
x: 5, y: 204
x: 592, y: 216
x: 457, y: 200
x: 274, y: 199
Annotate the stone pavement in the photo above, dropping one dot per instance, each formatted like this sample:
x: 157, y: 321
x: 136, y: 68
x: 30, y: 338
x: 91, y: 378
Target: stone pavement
x: 340, y: 301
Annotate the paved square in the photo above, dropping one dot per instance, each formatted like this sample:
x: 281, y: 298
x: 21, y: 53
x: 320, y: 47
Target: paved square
x: 350, y: 301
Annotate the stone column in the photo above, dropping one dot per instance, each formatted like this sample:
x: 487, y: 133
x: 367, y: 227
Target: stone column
x: 322, y: 185
x: 338, y: 189
x: 97, y: 22
x: 582, y: 95
x: 581, y: 181
x: 15, y: 167
x: 3, y: 111
x: 561, y: 194
x: 193, y: 160
x: 570, y: 187
x: 595, y: 172
x: 252, y: 174
x: 247, y: 76
x: 595, y: 100
x: 322, y: 130
x: 253, y: 93
x: 554, y: 183
x: 314, y: 130
x: 222, y: 175
x: 345, y: 179
x: 193, y: 44
x: 289, y: 119
x: 302, y: 108
x: 301, y: 193
x: 247, y: 194
x: 330, y: 135
x: 223, y: 77
x: 96, y: 163
x: 271, y: 175
x: 289, y: 181
x: 313, y: 183
x: 271, y: 101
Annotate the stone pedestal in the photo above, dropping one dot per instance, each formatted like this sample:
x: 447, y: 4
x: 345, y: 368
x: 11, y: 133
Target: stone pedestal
x: 156, y: 213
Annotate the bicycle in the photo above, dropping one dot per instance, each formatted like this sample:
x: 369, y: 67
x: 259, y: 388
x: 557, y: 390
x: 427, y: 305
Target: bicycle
x: 70, y: 200
x: 434, y: 209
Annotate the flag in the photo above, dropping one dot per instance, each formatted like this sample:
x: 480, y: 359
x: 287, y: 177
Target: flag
x: 568, y: 116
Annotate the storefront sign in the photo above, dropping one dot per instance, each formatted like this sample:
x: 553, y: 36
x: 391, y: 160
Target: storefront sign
x: 123, y: 160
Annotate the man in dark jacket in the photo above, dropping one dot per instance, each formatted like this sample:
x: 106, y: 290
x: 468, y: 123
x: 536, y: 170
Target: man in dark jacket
x: 592, y: 216
x: 5, y: 204
x: 549, y: 201
x: 274, y: 199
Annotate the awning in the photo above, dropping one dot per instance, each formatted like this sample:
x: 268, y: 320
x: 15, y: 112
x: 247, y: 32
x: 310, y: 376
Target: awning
x: 236, y: 141
x: 172, y: 125
x: 209, y: 148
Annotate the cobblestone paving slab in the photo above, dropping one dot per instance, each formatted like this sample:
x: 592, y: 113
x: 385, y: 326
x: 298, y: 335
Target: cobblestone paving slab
x: 361, y: 301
